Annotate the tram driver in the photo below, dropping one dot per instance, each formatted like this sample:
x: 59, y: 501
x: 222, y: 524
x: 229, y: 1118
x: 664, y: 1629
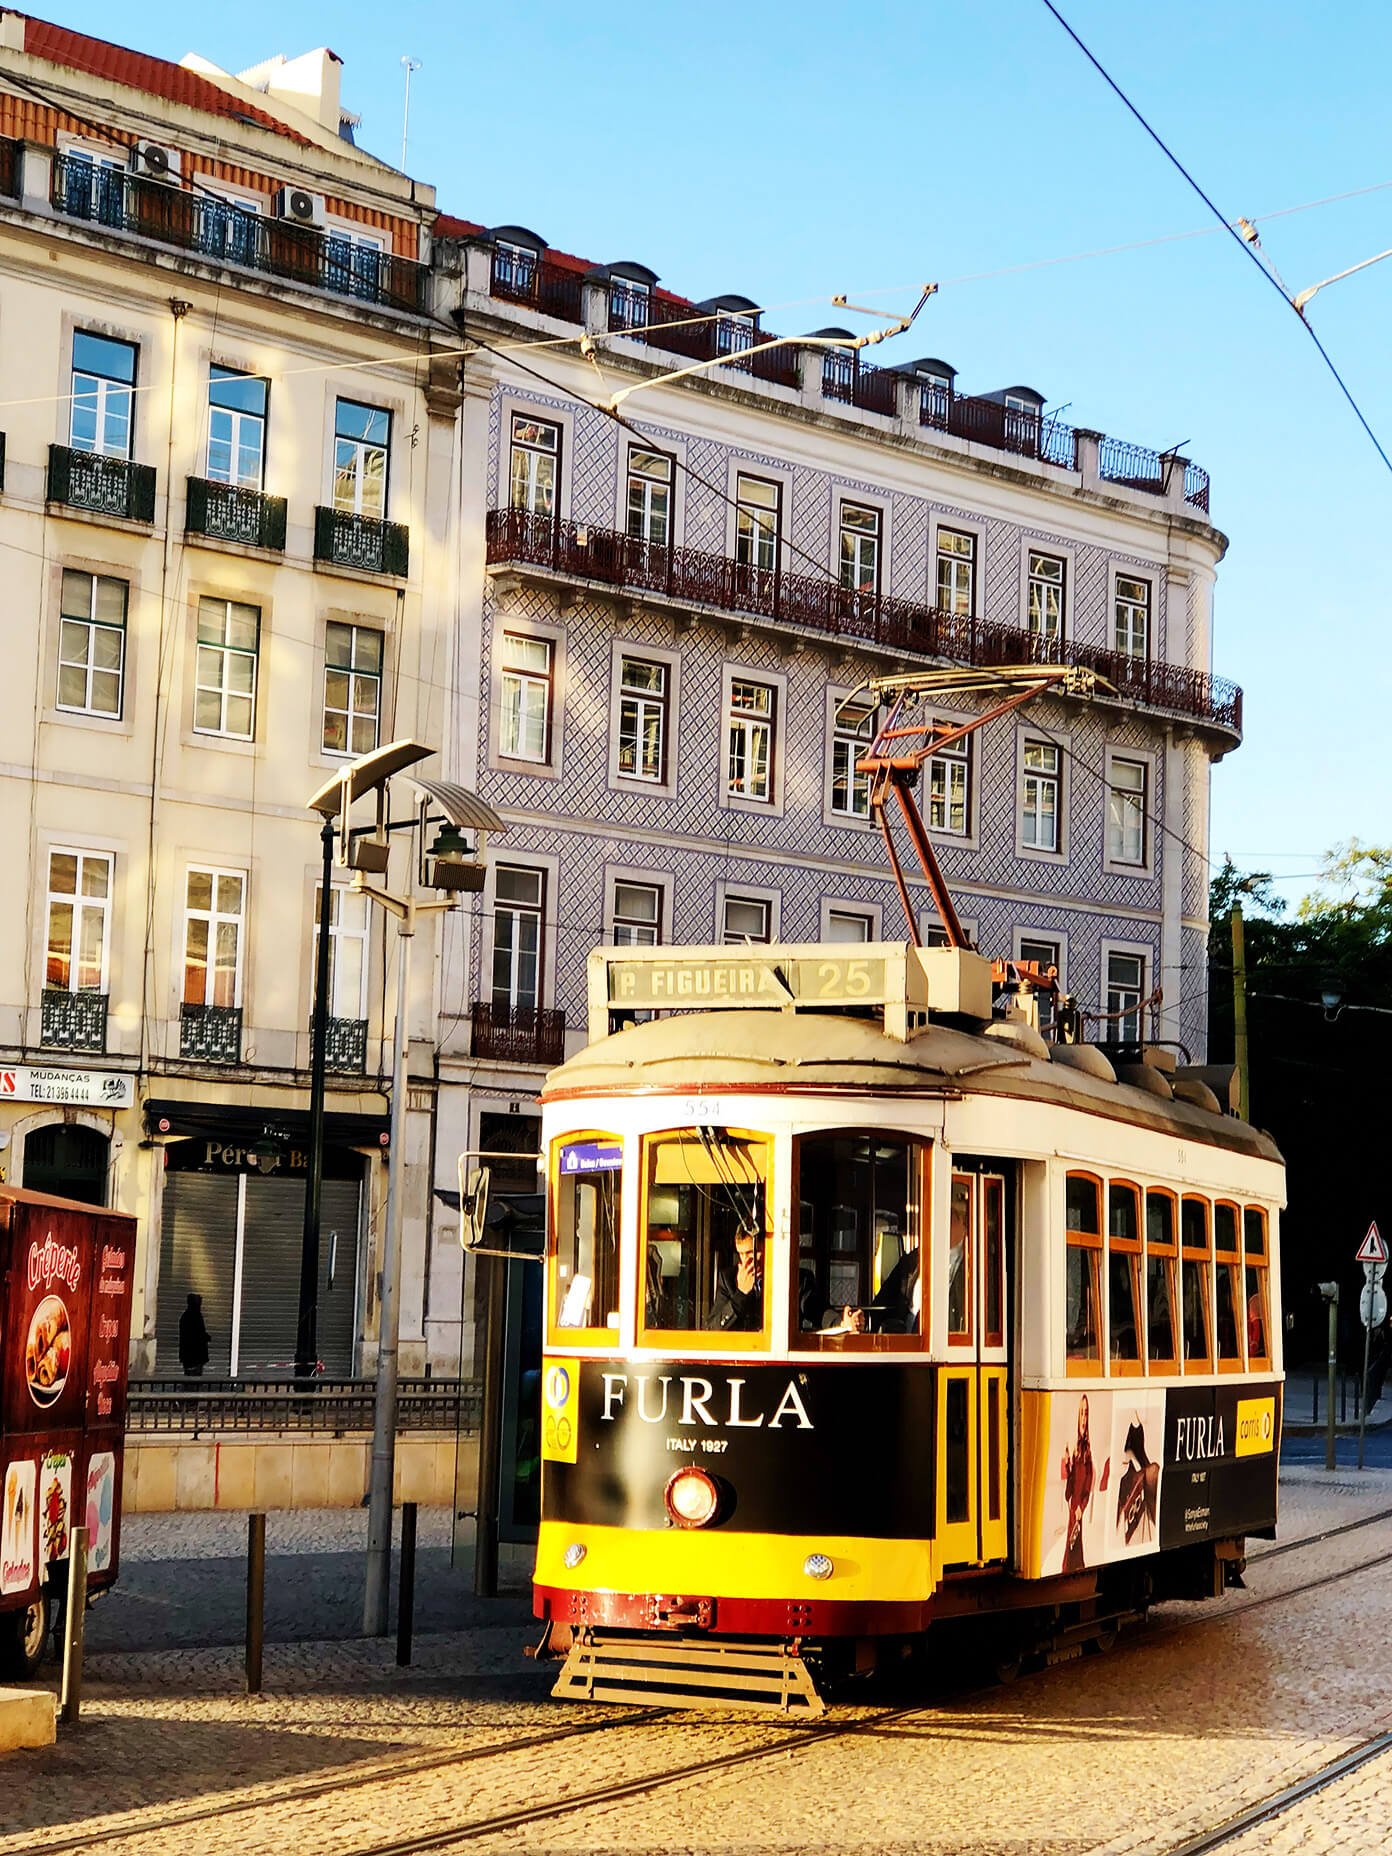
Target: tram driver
x: 738, y: 1305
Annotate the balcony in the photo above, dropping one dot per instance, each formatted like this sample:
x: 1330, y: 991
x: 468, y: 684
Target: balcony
x: 345, y: 1047
x: 518, y: 277
x: 72, y: 1020
x: 687, y: 577
x: 685, y: 329
x: 219, y: 232
x: 342, y: 539
x: 518, y: 1033
x: 228, y: 512
x: 847, y: 378
x: 211, y: 1033
x: 103, y: 486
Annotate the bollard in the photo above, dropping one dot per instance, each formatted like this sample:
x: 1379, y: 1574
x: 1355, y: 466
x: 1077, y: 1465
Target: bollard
x: 406, y: 1594
x: 74, y: 1625
x: 256, y: 1600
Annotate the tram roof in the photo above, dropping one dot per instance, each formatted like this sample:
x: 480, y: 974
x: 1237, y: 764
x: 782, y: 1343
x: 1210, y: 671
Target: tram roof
x: 829, y: 1053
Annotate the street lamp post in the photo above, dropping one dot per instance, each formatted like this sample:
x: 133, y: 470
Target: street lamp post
x: 307, y: 1326
x: 451, y: 870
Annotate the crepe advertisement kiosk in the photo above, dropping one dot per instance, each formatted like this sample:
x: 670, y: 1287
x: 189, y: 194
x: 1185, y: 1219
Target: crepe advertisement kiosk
x: 65, y: 1313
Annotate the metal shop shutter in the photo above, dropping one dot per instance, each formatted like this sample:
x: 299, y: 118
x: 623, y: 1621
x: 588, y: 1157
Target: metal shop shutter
x: 271, y: 1275
x: 340, y: 1216
x: 198, y: 1251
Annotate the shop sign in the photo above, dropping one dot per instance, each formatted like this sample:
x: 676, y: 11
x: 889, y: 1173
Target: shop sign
x: 68, y: 1088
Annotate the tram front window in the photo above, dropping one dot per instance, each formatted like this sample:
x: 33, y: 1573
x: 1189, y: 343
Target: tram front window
x: 705, y: 1264
x: 859, y: 1233
x: 587, y: 1202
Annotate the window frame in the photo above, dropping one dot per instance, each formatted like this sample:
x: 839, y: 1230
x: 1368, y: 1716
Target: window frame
x: 1035, y: 579
x: 1133, y: 606
x: 944, y: 558
x: 1092, y: 1246
x: 339, y: 934
x: 946, y: 762
x: 1258, y: 1260
x: 107, y: 388
x: 752, y: 524
x: 648, y: 484
x: 1113, y: 848
x: 1032, y: 779
x: 351, y: 673
x: 1134, y: 1249
x: 92, y: 625
x: 921, y: 1161
x: 872, y: 535
x: 1125, y: 950
x: 732, y: 725
x: 226, y: 652
x: 754, y: 898
x: 589, y: 1336
x: 1166, y: 1253
x: 79, y: 904
x: 348, y: 449
x: 1203, y: 1256
x: 518, y: 911
x: 843, y: 742
x: 214, y: 917
x: 526, y: 678
x: 691, y: 1340
x: 623, y: 879
x: 640, y: 701
x: 237, y: 418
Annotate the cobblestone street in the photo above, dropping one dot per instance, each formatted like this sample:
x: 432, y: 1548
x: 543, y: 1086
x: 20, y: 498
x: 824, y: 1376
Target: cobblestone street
x: 1190, y: 1721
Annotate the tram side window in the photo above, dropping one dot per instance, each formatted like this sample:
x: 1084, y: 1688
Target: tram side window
x: 1160, y: 1281
x: 1083, y: 1273
x: 1195, y: 1264
x: 1124, y: 1276
x: 587, y: 1200
x: 1226, y: 1302
x: 705, y: 1264
x: 860, y: 1199
x: 960, y: 1294
x: 1255, y: 1253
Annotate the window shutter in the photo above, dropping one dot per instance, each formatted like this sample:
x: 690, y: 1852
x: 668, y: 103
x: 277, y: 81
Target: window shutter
x: 273, y: 522
x: 140, y: 493
x: 59, y: 473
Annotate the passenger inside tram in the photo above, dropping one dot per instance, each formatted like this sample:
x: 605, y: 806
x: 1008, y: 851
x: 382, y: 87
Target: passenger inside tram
x: 858, y: 1235
x: 706, y: 1227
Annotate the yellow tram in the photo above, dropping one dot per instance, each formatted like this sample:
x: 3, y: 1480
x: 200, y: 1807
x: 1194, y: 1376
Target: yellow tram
x: 868, y: 1310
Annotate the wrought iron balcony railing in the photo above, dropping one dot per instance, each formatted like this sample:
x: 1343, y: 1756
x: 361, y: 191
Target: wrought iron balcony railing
x: 230, y: 512
x: 72, y: 1020
x: 700, y: 335
x: 365, y: 542
x: 105, y: 486
x: 223, y: 234
x: 518, y: 1033
x: 847, y: 378
x: 345, y: 1047
x: 693, y: 578
x: 211, y: 1033
x: 519, y: 277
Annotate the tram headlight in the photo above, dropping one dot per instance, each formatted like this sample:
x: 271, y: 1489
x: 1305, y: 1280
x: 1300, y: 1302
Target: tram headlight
x: 818, y: 1566
x: 691, y: 1497
x: 573, y: 1555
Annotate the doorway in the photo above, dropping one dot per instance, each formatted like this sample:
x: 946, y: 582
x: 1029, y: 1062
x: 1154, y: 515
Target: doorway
x: 67, y: 1160
x: 973, y: 1410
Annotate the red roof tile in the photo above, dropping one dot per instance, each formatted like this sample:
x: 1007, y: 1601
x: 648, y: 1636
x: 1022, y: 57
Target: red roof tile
x: 157, y: 77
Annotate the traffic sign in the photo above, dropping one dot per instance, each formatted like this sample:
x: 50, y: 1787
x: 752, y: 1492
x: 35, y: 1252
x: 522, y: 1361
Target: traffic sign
x: 1374, y: 1272
x: 1373, y: 1249
x: 1372, y: 1305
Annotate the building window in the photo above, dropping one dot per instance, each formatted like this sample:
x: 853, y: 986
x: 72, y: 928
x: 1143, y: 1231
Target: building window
x: 526, y: 708
x: 746, y: 918
x: 361, y: 437
x: 92, y: 644
x: 79, y: 908
x: 229, y: 639
x: 103, y: 390
x: 227, y: 227
x: 949, y: 789
x: 642, y: 719
x: 1046, y: 591
x: 514, y: 267
x: 749, y: 739
x: 535, y: 467
x: 735, y: 332
x: 1039, y: 952
x: 756, y: 523
x: 236, y: 428
x: 1126, y: 811
x: 1131, y: 627
x: 1125, y: 993
x: 649, y: 497
x: 637, y: 914
x: 348, y: 945
x: 629, y: 302
x: 353, y: 262
x: 520, y: 896
x: 213, y: 914
x: 1039, y: 810
x: 860, y: 549
x: 849, y: 925
x: 352, y: 688
x: 852, y: 733
x: 956, y: 572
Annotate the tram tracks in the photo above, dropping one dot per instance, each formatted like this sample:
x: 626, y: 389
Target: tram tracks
x: 387, y: 1772
x: 1278, y: 1803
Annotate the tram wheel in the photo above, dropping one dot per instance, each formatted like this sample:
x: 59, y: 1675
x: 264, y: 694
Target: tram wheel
x: 1007, y: 1662
x: 1105, y: 1640
x: 23, y: 1636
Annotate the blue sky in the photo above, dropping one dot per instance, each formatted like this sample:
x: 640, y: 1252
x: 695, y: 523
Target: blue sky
x: 790, y: 153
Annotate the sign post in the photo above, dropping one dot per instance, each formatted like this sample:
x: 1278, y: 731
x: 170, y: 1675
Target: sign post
x: 1372, y: 1309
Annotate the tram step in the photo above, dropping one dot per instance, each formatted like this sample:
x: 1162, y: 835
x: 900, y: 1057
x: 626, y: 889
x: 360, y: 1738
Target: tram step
x: 681, y: 1672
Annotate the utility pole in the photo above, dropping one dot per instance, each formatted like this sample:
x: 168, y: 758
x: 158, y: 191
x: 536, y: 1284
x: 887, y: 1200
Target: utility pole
x: 1239, y: 1009
x: 307, y: 1327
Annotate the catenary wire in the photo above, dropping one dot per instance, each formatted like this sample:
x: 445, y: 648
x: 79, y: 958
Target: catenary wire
x: 1228, y: 227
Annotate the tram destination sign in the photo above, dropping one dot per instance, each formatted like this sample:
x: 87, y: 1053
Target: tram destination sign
x: 749, y: 979
x: 72, y: 1088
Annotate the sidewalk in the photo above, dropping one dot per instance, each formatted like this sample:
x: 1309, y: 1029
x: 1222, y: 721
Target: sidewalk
x: 1305, y: 1407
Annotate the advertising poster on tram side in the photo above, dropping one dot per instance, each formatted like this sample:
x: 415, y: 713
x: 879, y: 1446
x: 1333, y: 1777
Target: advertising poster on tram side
x: 1124, y: 1471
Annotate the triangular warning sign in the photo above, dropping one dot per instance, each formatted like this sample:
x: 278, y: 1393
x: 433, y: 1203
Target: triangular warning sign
x: 1373, y: 1249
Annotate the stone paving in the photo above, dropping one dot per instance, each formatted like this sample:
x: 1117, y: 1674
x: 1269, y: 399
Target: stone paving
x: 1127, y: 1755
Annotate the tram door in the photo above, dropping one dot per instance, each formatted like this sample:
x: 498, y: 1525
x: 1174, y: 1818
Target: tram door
x: 973, y: 1416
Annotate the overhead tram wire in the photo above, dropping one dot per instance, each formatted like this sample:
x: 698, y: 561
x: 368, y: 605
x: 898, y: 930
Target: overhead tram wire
x: 1228, y: 227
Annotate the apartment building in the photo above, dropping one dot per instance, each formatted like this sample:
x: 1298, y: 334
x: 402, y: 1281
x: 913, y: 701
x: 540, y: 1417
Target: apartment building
x: 672, y: 607
x: 228, y: 545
